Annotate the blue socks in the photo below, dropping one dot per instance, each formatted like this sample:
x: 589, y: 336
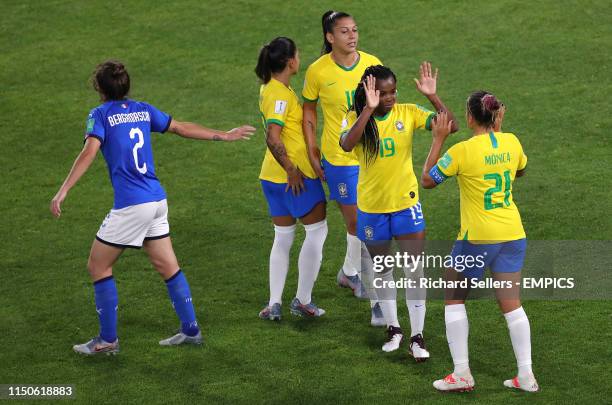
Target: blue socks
x: 107, y: 301
x: 106, y: 307
x: 178, y: 290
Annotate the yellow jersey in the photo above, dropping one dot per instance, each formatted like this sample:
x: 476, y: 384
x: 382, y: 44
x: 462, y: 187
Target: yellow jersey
x: 388, y: 183
x: 485, y: 166
x: 279, y: 104
x: 334, y: 86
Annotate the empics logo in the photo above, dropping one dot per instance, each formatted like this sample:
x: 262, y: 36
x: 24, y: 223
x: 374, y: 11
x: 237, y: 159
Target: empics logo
x: 279, y: 106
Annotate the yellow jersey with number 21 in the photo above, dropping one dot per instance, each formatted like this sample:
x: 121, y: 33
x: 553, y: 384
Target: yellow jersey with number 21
x: 485, y: 166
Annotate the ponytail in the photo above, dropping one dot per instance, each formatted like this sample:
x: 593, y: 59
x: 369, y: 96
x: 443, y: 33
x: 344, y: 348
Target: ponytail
x: 262, y: 70
x: 273, y: 58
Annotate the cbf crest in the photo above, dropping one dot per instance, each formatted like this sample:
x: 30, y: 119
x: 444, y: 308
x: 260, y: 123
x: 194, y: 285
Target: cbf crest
x: 399, y: 125
x: 369, y: 232
x: 342, y: 189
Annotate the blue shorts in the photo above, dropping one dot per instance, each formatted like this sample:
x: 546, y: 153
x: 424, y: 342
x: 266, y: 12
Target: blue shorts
x: 342, y: 182
x: 504, y: 257
x: 283, y: 203
x: 381, y: 227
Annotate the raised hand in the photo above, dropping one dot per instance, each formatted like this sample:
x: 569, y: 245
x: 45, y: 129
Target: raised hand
x: 244, y: 132
x: 441, y: 126
x: 426, y: 84
x: 372, y: 95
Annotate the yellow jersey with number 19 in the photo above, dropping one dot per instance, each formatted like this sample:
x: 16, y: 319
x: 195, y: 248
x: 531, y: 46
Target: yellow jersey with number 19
x: 334, y: 86
x: 388, y: 184
x: 485, y: 166
x: 278, y: 104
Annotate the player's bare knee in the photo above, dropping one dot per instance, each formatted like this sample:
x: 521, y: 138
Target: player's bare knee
x: 97, y: 271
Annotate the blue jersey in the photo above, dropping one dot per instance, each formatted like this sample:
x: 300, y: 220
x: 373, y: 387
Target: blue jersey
x: 124, y: 129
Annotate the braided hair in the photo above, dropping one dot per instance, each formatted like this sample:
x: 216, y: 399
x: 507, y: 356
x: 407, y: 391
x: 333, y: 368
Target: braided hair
x: 370, y: 139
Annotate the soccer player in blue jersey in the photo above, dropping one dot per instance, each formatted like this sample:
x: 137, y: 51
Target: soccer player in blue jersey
x: 121, y: 128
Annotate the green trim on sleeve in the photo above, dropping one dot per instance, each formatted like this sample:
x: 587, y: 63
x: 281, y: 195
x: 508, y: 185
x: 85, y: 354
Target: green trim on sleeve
x: 441, y: 171
x: 275, y: 121
x: 306, y: 99
x: 428, y: 122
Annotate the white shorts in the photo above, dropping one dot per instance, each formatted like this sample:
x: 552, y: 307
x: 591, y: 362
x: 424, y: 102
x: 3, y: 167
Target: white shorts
x: 129, y: 227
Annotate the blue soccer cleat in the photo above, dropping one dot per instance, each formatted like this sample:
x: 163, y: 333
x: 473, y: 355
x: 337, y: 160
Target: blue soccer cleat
x: 378, y: 318
x: 307, y: 311
x: 272, y: 313
x: 352, y: 282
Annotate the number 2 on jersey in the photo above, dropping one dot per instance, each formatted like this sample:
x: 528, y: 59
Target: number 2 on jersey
x: 133, y: 132
x: 488, y: 195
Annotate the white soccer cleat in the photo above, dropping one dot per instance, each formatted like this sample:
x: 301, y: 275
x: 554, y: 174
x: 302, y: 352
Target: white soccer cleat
x: 528, y: 384
x: 417, y: 348
x: 395, y: 337
x: 181, y: 338
x: 97, y: 345
x: 455, y: 383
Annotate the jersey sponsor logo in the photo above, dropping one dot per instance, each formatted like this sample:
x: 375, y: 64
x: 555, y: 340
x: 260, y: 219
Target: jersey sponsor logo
x: 497, y: 158
x: 90, y: 124
x: 399, y: 125
x: 342, y: 189
x: 344, y: 123
x: 279, y: 106
x: 124, y: 105
x: 445, y: 161
x: 369, y: 232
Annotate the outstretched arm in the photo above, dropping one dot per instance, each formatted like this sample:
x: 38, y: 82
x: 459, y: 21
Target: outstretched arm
x: 353, y: 136
x: 79, y: 167
x: 196, y: 131
x: 426, y: 85
x: 440, y: 129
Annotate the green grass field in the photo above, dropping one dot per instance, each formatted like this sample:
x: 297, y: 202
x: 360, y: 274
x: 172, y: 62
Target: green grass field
x: 549, y: 61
